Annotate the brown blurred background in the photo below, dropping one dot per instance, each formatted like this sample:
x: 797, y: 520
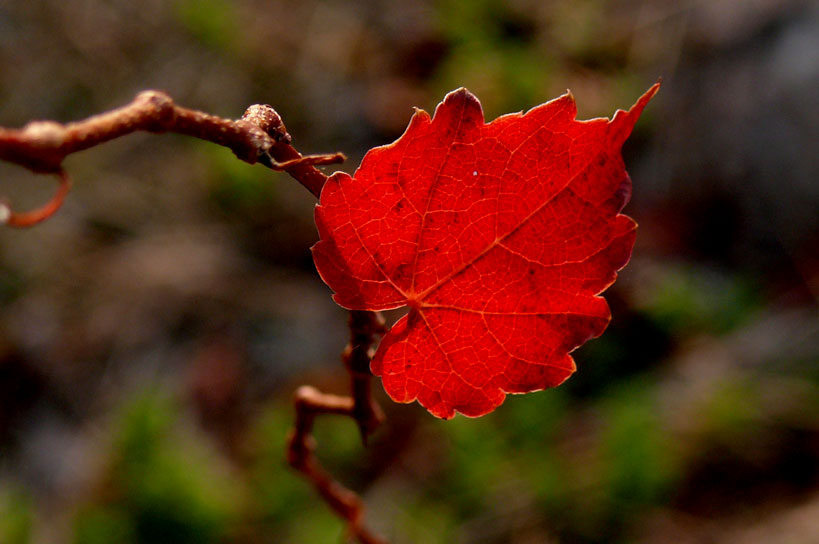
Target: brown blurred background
x: 151, y: 333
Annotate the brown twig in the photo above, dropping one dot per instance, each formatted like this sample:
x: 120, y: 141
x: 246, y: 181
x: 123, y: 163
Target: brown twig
x: 259, y: 136
x: 28, y: 219
x: 357, y: 355
x: 309, y: 402
x: 283, y: 156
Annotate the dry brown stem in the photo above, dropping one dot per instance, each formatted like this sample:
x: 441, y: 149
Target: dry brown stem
x: 259, y: 136
x: 30, y: 218
x: 309, y: 403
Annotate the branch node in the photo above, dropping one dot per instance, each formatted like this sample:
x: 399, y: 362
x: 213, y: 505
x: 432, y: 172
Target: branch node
x: 46, y: 134
x: 267, y: 119
x: 161, y: 110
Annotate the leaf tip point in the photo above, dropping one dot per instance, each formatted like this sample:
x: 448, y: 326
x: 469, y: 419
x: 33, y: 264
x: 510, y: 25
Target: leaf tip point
x: 419, y: 115
x: 461, y: 94
x: 460, y: 91
x: 646, y: 97
x: 568, y: 96
x: 565, y: 100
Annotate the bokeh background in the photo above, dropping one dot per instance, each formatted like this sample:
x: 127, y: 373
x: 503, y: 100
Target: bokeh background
x: 152, y: 333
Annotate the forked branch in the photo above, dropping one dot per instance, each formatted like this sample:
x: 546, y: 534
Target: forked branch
x: 310, y: 402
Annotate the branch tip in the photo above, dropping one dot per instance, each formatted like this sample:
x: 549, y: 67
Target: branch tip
x: 29, y: 219
x: 306, y: 160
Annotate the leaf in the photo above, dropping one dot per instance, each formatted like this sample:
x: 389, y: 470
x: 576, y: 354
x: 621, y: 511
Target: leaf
x: 499, y: 237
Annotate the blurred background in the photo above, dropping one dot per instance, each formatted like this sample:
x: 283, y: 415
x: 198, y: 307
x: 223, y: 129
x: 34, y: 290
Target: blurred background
x: 152, y: 333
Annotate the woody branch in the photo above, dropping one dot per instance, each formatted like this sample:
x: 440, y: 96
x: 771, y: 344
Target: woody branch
x: 310, y: 402
x: 259, y: 136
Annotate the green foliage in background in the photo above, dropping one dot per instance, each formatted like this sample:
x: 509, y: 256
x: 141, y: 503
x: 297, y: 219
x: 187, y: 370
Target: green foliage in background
x: 166, y: 485
x: 493, y: 51
x: 16, y: 517
x: 691, y: 299
x: 236, y: 188
x: 212, y: 22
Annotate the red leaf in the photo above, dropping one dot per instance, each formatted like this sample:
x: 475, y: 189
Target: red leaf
x: 498, y: 236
